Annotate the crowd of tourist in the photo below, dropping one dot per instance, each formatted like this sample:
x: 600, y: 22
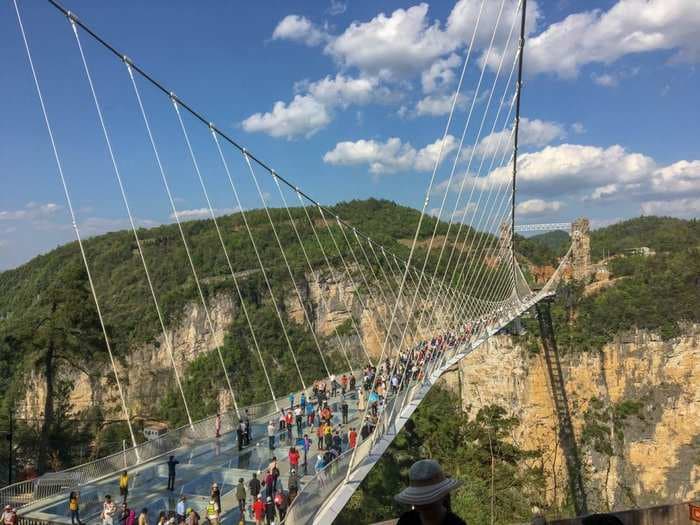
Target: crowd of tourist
x: 264, y: 497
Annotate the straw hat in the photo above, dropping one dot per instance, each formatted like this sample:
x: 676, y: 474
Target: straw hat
x: 427, y: 484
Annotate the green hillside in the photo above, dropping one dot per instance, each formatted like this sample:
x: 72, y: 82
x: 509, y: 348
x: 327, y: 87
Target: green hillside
x: 48, y: 319
x: 662, y: 234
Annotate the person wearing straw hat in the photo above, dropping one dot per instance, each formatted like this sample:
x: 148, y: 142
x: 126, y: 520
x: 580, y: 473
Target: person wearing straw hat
x: 428, y: 493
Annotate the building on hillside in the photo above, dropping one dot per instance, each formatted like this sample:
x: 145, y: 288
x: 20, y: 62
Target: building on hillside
x: 644, y: 251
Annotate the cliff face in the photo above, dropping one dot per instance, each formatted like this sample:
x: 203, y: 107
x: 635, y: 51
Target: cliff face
x: 635, y: 406
x: 147, y: 371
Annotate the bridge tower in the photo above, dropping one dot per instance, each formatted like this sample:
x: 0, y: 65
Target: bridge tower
x: 581, y: 249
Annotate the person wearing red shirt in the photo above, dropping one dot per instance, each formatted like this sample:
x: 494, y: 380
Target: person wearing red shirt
x: 259, y: 511
x: 293, y: 458
x: 352, y: 437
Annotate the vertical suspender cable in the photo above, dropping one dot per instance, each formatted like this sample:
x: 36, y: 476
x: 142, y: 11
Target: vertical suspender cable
x: 69, y: 201
x: 117, y: 173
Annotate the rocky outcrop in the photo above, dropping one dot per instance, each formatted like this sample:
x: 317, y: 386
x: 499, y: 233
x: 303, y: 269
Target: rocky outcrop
x: 642, y: 389
x: 330, y: 298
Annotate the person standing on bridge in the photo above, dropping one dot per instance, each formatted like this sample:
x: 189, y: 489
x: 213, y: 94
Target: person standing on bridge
x: 124, y: 486
x: 271, y: 434
x: 302, y: 402
x: 428, y: 493
x: 241, y: 497
x: 352, y: 437
x: 293, y: 457
x: 216, y: 495
x: 307, y: 447
x: 299, y: 417
x: 143, y: 517
x: 259, y: 510
x: 73, y: 506
x: 109, y: 510
x: 291, y: 401
x: 344, y: 411
x: 310, y: 415
x: 254, y: 486
x: 217, y: 425
x: 270, y: 512
x: 239, y: 435
x: 289, y: 421
x: 180, y: 510
x: 171, y: 472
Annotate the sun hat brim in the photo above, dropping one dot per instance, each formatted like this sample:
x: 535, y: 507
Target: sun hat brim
x: 427, y: 494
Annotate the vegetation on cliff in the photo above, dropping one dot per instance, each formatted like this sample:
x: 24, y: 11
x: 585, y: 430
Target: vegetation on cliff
x: 497, y: 473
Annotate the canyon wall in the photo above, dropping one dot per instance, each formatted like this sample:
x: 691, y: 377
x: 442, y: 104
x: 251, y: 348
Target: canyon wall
x: 635, y: 406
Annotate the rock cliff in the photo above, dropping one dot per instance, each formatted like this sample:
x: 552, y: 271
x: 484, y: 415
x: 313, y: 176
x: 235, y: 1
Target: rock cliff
x: 635, y: 406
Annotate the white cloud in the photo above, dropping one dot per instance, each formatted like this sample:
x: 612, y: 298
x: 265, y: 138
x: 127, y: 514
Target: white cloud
x: 407, y: 41
x: 687, y: 207
x: 437, y: 105
x: 680, y: 177
x: 440, y: 74
x: 304, y: 115
x: 390, y: 156
x: 344, y: 91
x: 604, y: 191
x: 391, y: 46
x: 532, y: 132
x: 32, y: 211
x: 299, y: 29
x: 630, y: 26
x: 605, y: 80
x: 578, y: 128
x: 312, y: 108
x: 201, y: 213
x: 337, y: 8
x: 537, y: 207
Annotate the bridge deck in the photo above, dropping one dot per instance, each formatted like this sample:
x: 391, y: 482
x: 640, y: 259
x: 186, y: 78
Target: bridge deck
x: 200, y: 465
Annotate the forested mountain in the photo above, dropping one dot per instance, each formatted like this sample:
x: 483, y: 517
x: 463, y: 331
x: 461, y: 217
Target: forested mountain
x: 48, y: 319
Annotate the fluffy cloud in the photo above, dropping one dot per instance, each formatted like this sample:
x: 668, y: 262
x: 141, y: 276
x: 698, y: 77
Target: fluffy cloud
x: 532, y: 132
x: 344, y: 91
x: 537, y: 207
x: 304, y: 115
x: 436, y: 105
x: 406, y: 41
x: 440, y: 74
x: 31, y: 212
x: 605, y: 80
x: 630, y: 26
x: 689, y: 207
x: 570, y: 172
x: 311, y: 111
x: 390, y: 156
x: 682, y: 177
x: 299, y: 29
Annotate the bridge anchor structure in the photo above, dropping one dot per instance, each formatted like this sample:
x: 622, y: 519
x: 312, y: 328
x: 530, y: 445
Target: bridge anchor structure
x: 428, y: 304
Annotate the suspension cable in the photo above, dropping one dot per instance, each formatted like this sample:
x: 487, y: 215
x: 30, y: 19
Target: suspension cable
x: 69, y: 202
x: 289, y: 270
x: 322, y: 298
x: 117, y: 174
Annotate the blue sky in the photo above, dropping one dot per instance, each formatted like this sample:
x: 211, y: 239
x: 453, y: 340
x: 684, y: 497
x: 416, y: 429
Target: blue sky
x: 350, y: 99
